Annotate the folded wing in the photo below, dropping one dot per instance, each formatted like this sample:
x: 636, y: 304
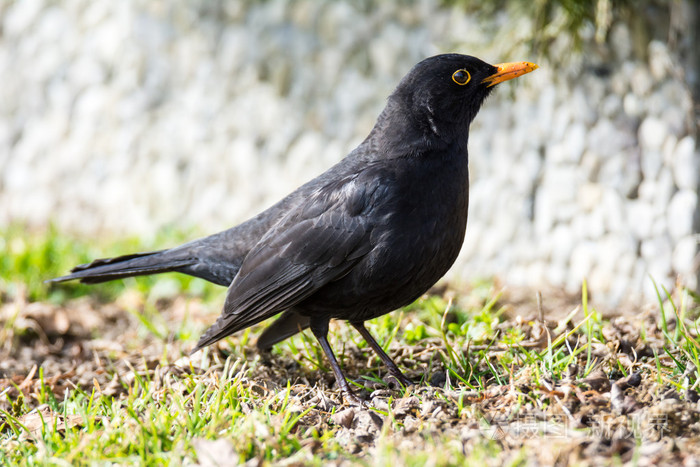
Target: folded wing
x: 311, y: 246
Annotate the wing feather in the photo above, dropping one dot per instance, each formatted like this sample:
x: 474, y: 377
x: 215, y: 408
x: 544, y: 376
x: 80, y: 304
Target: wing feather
x: 308, y: 248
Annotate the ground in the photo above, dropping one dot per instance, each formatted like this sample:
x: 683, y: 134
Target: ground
x: 503, y: 377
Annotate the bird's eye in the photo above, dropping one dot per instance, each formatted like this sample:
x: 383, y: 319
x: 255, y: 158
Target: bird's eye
x: 461, y: 77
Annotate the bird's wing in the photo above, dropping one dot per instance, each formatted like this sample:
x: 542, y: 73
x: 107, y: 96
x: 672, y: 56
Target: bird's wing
x: 318, y: 241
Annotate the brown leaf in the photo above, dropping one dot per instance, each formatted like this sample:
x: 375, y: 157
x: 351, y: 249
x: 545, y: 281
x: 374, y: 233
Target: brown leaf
x: 35, y: 420
x: 632, y: 381
x: 597, y: 380
x: 344, y: 418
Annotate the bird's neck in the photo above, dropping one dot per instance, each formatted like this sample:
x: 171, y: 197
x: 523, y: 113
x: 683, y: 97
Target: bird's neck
x: 401, y: 132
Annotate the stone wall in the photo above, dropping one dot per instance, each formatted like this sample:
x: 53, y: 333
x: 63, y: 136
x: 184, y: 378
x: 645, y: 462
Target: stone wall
x: 133, y: 115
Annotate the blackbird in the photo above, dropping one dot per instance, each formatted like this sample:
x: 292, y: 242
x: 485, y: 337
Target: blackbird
x: 369, y: 235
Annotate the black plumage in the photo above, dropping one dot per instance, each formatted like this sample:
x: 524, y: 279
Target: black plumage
x: 369, y: 235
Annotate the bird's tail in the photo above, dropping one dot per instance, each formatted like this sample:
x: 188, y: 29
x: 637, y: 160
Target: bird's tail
x: 137, y: 264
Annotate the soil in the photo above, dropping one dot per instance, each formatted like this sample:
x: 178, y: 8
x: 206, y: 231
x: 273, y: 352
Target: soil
x: 625, y: 409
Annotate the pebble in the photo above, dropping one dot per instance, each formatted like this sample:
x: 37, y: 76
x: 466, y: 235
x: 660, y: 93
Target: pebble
x: 640, y: 217
x: 590, y: 195
x: 641, y: 81
x: 126, y: 117
x: 652, y: 133
x: 681, y: 211
x: 583, y: 259
x: 620, y: 36
x: 20, y: 17
x: 686, y: 164
x: 633, y: 105
x: 562, y: 242
x: 685, y: 254
x: 660, y: 62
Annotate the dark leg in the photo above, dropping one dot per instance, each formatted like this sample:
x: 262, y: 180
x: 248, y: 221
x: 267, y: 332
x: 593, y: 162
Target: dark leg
x: 393, y: 369
x: 320, y: 330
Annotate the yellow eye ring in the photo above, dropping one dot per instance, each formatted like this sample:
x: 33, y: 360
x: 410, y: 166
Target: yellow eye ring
x: 461, y: 77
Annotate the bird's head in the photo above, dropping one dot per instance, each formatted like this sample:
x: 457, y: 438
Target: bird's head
x: 444, y: 93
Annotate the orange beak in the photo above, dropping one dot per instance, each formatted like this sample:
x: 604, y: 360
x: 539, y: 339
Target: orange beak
x: 508, y: 71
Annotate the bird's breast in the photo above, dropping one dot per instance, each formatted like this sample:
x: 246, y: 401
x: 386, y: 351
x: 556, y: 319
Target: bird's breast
x: 418, y: 219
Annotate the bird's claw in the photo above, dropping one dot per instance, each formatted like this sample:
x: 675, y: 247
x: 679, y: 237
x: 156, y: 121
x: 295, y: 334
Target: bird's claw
x: 403, y: 380
x: 353, y: 400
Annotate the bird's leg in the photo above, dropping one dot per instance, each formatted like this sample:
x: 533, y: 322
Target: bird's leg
x: 320, y: 330
x: 393, y: 369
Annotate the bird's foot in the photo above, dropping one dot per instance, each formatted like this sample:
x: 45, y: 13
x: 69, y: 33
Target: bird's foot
x: 352, y: 399
x: 402, y: 379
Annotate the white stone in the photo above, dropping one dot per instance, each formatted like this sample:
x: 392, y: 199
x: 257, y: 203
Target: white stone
x: 560, y: 183
x: 544, y: 214
x: 20, y: 16
x: 620, y: 172
x: 472, y: 241
x: 654, y: 105
x: 652, y: 133
x: 562, y: 243
x: 85, y: 72
x: 589, y: 195
x: 676, y: 120
x: 660, y: 62
x: 526, y: 172
x: 583, y: 258
x: 589, y: 226
x: 611, y: 106
x: 124, y: 101
x: 545, y: 108
x: 620, y: 79
x: 560, y: 122
x: 675, y: 94
x: 607, y: 140
x: 302, y: 153
x: 575, y: 139
x: 384, y: 51
x: 601, y: 281
x: 667, y: 150
x: 665, y: 190
x: 612, y: 247
x: 595, y: 224
x: 517, y: 275
x: 656, y: 253
x: 640, y: 217
x: 490, y: 244
x: 620, y: 36
x: 651, y: 280
x: 53, y: 26
x: 625, y: 262
x: 685, y: 255
x: 555, y: 274
x: 680, y: 213
x: 659, y: 269
x: 613, y: 211
x: 686, y: 164
x: 589, y: 165
x: 641, y: 81
x: 537, y: 272
x: 557, y: 153
x: 657, y: 192
x: 633, y: 105
x: 595, y: 87
x: 652, y: 161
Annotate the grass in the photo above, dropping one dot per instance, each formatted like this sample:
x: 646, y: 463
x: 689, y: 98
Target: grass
x: 28, y: 258
x: 497, y: 381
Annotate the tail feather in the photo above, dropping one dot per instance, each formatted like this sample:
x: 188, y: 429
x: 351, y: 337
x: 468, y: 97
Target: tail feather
x: 137, y: 264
